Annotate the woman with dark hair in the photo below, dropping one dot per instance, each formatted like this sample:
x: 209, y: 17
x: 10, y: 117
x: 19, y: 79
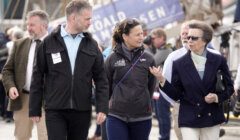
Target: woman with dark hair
x: 131, y: 84
x: 194, y: 79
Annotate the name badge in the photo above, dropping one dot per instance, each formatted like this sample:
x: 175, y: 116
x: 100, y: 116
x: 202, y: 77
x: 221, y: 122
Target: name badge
x: 56, y: 57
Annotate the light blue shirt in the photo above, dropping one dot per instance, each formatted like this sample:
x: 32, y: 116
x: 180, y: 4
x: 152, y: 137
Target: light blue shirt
x: 107, y: 52
x: 72, y: 45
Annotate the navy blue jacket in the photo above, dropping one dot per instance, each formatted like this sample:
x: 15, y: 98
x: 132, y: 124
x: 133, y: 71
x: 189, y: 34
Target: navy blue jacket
x: 190, y: 89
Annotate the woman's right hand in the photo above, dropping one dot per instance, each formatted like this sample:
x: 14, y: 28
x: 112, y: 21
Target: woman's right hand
x: 157, y: 72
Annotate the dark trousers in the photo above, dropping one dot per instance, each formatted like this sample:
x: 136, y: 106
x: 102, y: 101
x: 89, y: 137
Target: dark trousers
x: 2, y: 100
x: 120, y: 130
x: 101, y: 131
x: 3, y: 103
x: 98, y: 130
x: 162, y: 110
x: 67, y: 124
x: 104, y: 130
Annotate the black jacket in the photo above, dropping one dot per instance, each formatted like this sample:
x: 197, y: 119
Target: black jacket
x: 132, y: 97
x: 3, y: 50
x: 56, y: 84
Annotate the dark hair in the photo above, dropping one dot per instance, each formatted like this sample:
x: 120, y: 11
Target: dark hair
x: 206, y: 29
x: 76, y: 6
x: 124, y: 27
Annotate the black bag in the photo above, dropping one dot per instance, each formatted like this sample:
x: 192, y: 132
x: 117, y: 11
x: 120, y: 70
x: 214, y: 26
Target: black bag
x: 220, y: 87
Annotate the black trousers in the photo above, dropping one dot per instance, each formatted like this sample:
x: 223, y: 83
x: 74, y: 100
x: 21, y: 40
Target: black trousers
x: 2, y: 100
x: 67, y: 124
x: 4, y: 103
x: 104, y: 131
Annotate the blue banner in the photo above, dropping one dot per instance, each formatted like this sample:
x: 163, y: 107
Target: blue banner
x: 155, y: 13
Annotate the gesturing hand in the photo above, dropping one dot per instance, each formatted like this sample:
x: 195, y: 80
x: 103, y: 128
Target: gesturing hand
x: 157, y: 72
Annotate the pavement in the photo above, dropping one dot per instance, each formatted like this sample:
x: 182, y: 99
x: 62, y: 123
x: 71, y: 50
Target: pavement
x: 232, y: 130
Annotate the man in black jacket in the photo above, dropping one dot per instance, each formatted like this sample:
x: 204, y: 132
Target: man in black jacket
x: 67, y: 62
x: 3, y: 59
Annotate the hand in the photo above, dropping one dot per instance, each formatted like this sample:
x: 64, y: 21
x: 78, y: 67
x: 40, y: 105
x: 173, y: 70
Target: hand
x: 210, y: 98
x: 236, y: 92
x: 156, y: 95
x: 13, y: 93
x: 35, y: 119
x: 101, y: 117
x: 157, y: 72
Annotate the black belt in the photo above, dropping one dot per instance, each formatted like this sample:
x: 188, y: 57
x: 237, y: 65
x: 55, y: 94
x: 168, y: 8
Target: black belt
x: 25, y: 91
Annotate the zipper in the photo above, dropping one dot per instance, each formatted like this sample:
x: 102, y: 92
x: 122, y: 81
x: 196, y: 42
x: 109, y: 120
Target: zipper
x: 72, y: 78
x: 71, y: 96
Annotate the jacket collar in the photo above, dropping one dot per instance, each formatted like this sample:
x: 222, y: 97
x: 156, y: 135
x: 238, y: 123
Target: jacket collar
x: 87, y: 38
x: 64, y: 33
x: 192, y: 71
x: 57, y: 32
x: 136, y: 52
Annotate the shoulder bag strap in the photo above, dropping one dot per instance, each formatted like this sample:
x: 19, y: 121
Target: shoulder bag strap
x: 129, y: 70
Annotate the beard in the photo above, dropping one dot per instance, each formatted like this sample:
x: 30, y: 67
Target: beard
x: 82, y: 28
x: 32, y: 35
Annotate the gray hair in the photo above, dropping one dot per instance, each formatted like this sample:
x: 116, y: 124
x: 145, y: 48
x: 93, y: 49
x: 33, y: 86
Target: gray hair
x: 76, y: 6
x: 41, y: 14
x: 17, y: 34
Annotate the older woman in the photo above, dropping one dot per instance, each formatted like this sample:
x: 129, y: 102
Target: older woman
x: 131, y: 84
x: 194, y: 77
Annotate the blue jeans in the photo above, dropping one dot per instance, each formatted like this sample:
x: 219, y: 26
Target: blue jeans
x: 120, y: 130
x: 162, y: 110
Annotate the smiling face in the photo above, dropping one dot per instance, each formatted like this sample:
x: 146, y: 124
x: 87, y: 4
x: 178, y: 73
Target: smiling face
x: 195, y: 41
x: 135, y: 37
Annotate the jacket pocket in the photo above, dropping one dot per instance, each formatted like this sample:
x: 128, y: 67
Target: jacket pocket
x: 56, y: 58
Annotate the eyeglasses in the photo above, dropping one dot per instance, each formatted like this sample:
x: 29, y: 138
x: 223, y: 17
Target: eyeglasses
x: 129, y: 23
x: 131, y: 20
x: 194, y: 38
